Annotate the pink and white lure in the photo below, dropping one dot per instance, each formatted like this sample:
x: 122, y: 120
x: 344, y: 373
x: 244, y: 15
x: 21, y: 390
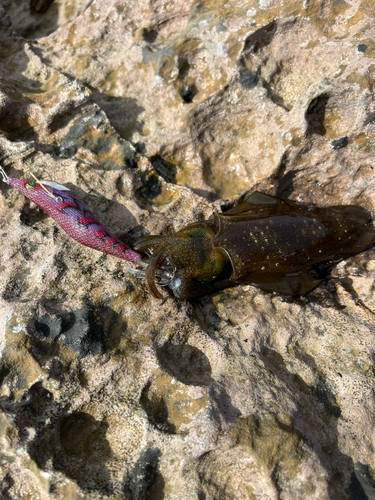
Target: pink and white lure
x: 73, y: 216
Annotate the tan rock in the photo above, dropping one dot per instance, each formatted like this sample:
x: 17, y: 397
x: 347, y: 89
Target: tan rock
x: 149, y: 111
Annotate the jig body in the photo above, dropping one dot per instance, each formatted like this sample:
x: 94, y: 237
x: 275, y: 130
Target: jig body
x: 72, y: 216
x: 276, y: 245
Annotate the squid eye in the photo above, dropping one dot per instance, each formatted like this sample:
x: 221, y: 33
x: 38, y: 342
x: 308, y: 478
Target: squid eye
x: 30, y: 185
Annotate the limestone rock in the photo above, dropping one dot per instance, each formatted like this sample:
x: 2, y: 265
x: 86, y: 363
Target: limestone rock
x: 149, y: 111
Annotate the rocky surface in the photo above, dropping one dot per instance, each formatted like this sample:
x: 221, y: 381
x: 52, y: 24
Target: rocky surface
x: 150, y: 111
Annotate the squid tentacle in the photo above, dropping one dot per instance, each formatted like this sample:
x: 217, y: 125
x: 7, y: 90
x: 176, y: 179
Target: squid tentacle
x: 151, y: 273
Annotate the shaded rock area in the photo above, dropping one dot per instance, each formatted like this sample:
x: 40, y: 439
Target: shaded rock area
x: 149, y: 111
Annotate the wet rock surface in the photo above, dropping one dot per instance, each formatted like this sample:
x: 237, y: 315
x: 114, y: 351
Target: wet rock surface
x: 150, y: 111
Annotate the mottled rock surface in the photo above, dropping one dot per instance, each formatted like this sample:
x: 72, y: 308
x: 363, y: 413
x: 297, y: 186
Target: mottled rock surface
x: 149, y: 111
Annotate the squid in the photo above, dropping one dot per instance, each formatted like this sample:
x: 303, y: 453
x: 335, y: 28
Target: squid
x: 276, y: 245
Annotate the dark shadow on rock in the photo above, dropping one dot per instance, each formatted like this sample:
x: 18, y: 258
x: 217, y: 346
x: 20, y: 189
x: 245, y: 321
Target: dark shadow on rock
x: 186, y: 363
x: 69, y: 113
x: 145, y: 481
x: 5, y: 370
x: 260, y: 38
x: 316, y: 418
x: 122, y: 112
x: 370, y: 118
x: 285, y: 186
x: 37, y: 26
x: 283, y: 178
x: 117, y: 339
x: 362, y: 482
x: 81, y: 435
x: 347, y: 284
x: 78, y: 449
x: 156, y: 410
x: 42, y: 19
x: 222, y: 407
x: 5, y: 486
x: 315, y: 113
x: 150, y: 34
x: 188, y: 92
x: 140, y: 147
x: 205, y: 193
x: 40, y: 6
x: 272, y: 95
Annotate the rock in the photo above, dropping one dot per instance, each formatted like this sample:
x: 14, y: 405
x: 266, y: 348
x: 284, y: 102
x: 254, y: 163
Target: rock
x: 149, y: 112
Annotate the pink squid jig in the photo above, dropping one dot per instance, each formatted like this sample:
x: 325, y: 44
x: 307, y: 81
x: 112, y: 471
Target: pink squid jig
x: 72, y: 216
